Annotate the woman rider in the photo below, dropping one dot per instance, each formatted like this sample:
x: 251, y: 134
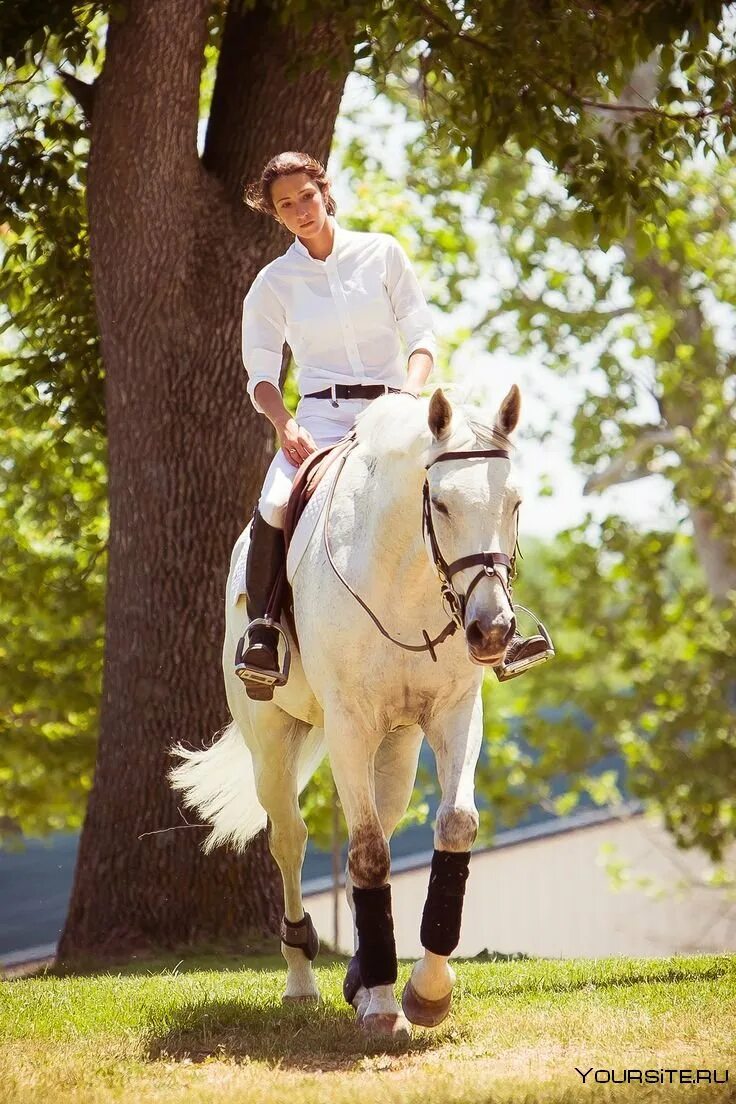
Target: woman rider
x: 343, y: 300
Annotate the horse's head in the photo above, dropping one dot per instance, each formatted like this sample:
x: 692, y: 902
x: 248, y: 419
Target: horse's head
x: 470, y: 515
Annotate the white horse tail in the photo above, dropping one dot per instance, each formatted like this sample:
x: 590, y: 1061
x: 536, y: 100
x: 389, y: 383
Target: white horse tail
x: 219, y: 783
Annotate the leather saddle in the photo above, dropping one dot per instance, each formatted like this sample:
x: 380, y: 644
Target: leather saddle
x: 307, y: 479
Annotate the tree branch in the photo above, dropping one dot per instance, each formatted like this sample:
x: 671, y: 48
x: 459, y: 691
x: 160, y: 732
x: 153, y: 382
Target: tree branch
x: 22, y: 81
x: 82, y: 92
x: 623, y: 107
x: 569, y: 314
x: 294, y: 98
x: 629, y: 466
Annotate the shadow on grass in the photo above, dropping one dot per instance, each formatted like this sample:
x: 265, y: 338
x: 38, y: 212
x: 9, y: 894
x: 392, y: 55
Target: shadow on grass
x: 309, y: 1037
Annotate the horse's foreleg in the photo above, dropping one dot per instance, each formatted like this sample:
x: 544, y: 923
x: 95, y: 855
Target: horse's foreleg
x: 275, y: 761
x: 352, y: 747
x: 395, y: 770
x: 456, y: 737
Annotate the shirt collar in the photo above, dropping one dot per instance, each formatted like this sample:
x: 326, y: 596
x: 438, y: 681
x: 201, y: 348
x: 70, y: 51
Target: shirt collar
x: 299, y: 247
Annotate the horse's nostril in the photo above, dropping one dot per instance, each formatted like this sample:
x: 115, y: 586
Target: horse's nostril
x: 475, y: 635
x: 487, y: 639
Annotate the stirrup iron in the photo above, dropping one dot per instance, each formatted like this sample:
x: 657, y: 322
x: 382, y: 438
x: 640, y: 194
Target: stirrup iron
x: 505, y: 671
x: 257, y: 676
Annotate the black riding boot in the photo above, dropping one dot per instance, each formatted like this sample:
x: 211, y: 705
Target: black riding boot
x: 263, y: 568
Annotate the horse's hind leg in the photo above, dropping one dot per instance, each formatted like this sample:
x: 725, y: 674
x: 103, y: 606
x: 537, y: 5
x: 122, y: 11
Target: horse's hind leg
x: 352, y: 744
x: 455, y: 736
x: 276, y: 753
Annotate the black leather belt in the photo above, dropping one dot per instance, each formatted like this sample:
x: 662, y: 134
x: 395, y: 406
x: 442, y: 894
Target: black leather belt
x: 354, y: 391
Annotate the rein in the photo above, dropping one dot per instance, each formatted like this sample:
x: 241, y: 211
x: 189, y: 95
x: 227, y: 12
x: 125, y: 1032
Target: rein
x: 454, y: 603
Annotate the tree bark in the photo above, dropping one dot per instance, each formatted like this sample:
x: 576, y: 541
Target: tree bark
x: 173, y: 252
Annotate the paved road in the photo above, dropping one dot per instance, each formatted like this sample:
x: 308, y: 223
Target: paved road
x: 34, y: 892
x: 35, y: 885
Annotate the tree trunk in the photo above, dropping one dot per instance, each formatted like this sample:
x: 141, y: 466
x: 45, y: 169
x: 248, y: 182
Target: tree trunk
x: 716, y: 554
x: 173, y: 252
x: 715, y: 551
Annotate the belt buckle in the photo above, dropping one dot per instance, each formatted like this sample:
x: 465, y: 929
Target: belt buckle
x: 333, y: 391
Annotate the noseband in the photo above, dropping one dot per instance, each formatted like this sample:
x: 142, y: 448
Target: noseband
x: 454, y: 603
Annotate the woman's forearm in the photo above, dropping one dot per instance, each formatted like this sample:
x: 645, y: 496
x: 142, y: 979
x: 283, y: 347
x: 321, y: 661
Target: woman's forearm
x: 420, y: 365
x: 269, y: 399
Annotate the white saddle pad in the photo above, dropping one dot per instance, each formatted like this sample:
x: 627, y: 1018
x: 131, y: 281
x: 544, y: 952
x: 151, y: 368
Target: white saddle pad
x: 308, y: 521
x: 237, y: 583
x: 305, y: 527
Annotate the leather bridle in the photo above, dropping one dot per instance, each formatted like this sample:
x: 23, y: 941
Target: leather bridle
x: 454, y: 603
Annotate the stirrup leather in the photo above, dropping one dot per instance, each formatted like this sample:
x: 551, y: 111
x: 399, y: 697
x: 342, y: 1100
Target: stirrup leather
x: 505, y: 671
x: 257, y: 676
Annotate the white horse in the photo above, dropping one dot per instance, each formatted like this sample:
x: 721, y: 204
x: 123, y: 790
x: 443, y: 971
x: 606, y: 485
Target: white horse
x: 367, y: 698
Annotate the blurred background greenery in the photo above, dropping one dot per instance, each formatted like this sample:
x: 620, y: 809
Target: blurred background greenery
x: 573, y: 243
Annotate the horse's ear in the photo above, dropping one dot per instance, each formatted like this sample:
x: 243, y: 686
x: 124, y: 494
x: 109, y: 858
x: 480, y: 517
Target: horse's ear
x: 508, y: 414
x: 440, y: 415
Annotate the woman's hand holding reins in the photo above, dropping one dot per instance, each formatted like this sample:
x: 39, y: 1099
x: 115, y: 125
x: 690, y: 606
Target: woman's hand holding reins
x: 296, y: 442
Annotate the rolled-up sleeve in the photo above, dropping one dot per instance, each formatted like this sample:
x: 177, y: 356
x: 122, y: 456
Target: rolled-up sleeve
x: 263, y: 336
x: 409, y: 305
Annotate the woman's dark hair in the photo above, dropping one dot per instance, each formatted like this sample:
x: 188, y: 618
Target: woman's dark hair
x: 258, y: 195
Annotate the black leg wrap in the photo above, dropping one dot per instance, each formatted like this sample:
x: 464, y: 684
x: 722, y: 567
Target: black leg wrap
x: 302, y: 934
x: 376, y: 945
x: 443, y: 910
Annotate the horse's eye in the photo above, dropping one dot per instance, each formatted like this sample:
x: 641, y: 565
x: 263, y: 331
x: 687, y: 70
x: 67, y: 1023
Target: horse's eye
x: 440, y: 506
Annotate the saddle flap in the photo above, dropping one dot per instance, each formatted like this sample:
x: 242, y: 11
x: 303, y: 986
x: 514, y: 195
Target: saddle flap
x: 307, y: 480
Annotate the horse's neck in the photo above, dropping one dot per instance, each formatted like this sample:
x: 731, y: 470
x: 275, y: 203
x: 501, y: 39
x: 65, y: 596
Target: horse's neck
x: 388, y: 518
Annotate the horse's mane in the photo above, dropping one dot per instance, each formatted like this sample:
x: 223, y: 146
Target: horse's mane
x: 399, y: 424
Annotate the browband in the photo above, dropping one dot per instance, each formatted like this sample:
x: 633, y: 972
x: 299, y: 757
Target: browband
x: 504, y: 454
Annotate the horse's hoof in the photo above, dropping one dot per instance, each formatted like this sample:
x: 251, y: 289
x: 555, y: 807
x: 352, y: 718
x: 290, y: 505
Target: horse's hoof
x: 389, y: 1025
x: 422, y: 1012
x: 308, y: 998
x: 360, y: 1004
x: 352, y: 982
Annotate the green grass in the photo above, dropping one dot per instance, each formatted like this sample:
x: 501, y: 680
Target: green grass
x: 213, y: 1029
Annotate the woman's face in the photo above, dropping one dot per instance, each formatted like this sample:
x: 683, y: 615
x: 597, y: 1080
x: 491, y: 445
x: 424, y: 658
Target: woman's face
x: 299, y: 204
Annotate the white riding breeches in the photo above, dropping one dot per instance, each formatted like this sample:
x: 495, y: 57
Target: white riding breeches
x: 327, y: 425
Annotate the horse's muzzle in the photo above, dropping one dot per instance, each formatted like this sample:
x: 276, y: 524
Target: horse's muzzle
x: 487, y: 643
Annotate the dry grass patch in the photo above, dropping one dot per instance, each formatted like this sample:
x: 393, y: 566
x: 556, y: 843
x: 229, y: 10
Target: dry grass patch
x: 516, y: 1033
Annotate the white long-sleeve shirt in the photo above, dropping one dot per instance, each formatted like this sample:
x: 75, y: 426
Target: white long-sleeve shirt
x: 344, y: 318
